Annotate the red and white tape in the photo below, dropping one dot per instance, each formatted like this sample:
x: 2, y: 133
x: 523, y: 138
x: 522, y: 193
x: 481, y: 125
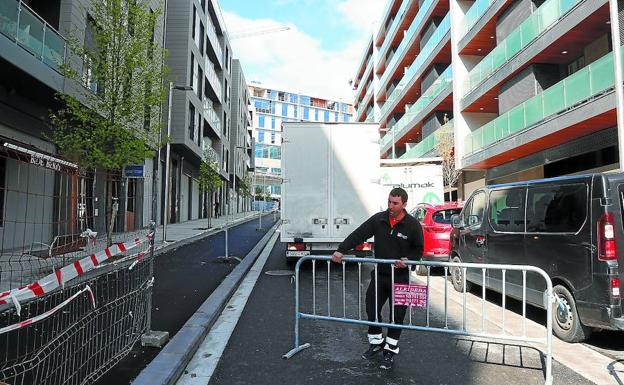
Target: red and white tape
x: 67, y: 273
x: 45, y: 315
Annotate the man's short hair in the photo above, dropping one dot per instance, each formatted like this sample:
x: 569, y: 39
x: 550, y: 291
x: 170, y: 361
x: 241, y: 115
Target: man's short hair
x: 399, y: 192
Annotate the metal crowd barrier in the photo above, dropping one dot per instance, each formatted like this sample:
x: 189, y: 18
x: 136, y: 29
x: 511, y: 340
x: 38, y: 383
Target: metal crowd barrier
x: 408, y: 324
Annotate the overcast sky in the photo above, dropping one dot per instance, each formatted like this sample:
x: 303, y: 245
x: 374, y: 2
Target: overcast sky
x: 317, y: 56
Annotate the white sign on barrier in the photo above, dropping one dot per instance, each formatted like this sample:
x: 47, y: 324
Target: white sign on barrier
x: 410, y: 295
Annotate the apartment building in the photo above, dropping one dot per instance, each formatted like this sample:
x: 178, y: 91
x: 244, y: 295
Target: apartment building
x: 41, y: 194
x: 241, y: 143
x: 527, y: 86
x: 270, y: 107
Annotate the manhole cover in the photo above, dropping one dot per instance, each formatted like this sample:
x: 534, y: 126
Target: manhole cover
x: 280, y: 272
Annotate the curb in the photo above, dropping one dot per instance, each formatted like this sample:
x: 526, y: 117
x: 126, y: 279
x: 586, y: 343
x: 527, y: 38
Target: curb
x: 169, y: 364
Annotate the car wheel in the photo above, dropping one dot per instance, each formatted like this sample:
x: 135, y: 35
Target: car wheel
x: 457, y: 277
x: 421, y: 270
x: 566, y: 322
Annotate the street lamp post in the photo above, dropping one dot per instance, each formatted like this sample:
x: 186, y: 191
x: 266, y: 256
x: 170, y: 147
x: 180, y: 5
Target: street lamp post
x: 168, y: 154
x: 393, y: 140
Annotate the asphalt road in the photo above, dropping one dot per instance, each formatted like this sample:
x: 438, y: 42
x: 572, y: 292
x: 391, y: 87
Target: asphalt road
x: 184, y: 278
x: 265, y: 332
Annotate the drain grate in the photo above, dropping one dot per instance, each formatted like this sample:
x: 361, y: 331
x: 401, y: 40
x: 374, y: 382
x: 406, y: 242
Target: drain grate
x: 283, y: 273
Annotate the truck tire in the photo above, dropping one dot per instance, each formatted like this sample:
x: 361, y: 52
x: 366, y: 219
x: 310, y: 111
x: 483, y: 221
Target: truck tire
x: 566, y: 321
x: 457, y: 277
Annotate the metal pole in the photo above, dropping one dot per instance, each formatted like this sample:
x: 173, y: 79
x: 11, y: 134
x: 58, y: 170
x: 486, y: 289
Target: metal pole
x: 167, y: 155
x: 617, y: 64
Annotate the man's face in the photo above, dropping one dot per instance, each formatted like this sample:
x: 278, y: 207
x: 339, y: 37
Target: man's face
x: 396, y: 205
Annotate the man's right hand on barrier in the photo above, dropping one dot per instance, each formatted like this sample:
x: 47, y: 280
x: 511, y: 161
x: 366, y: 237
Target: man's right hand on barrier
x: 337, y: 257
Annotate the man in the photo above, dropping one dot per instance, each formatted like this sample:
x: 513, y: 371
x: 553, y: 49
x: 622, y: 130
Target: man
x: 398, y: 236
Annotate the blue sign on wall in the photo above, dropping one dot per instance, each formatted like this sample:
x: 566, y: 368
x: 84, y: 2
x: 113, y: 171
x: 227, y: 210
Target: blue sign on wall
x: 134, y: 171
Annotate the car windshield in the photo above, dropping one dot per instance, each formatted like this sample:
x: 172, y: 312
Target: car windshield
x: 444, y: 216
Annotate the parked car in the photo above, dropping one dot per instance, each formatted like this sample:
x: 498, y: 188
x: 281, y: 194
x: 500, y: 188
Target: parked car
x: 569, y: 227
x: 435, y: 221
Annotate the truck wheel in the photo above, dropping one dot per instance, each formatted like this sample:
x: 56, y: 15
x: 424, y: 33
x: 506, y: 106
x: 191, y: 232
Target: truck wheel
x: 566, y: 322
x: 457, y: 277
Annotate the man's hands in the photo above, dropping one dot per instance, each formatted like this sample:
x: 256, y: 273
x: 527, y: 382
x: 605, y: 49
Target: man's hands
x: 337, y: 257
x: 400, y: 264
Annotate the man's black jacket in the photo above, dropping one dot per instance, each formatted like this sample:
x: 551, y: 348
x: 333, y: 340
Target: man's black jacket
x: 405, y: 239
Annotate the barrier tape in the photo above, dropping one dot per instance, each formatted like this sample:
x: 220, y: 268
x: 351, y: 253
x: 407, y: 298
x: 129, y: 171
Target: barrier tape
x: 50, y: 312
x: 61, y: 276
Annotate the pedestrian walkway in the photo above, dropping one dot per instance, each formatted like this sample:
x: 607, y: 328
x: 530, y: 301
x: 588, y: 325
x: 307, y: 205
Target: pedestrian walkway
x: 183, y: 232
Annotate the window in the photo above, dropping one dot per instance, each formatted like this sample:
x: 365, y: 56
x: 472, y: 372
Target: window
x: 276, y: 170
x: 261, y: 121
x: 306, y: 113
x: 273, y: 122
x: 284, y: 109
x: 202, y: 33
x: 272, y: 137
x: 507, y: 210
x: 557, y: 209
x: 260, y: 136
x: 335, y: 116
x: 316, y: 118
x: 193, y: 79
x: 473, y: 212
x: 420, y: 214
x: 326, y: 117
x: 444, y: 216
x: 345, y: 118
x: 191, y: 127
x: 305, y: 100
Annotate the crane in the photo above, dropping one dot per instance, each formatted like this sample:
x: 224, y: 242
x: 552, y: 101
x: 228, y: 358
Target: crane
x: 257, y: 31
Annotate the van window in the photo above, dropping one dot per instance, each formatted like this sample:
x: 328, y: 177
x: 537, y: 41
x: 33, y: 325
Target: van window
x: 557, y: 209
x: 476, y: 208
x: 507, y: 210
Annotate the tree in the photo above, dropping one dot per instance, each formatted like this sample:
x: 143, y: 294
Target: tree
x: 445, y: 146
x: 116, y: 120
x: 209, y: 180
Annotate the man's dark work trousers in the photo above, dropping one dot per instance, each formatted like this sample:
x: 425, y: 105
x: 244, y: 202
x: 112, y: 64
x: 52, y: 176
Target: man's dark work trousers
x: 384, y: 294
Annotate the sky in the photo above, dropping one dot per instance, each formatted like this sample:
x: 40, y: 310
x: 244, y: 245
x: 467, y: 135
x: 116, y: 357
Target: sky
x: 316, y: 56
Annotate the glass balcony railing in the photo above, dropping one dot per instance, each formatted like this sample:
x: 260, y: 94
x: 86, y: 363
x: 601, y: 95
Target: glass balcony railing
x: 427, y: 144
x: 473, y: 15
x: 530, y: 29
x: 213, y: 78
x: 393, y: 27
x: 211, y: 115
x: 409, y: 34
x: 425, y: 54
x: 365, y: 102
x: 439, y: 85
x: 20, y: 24
x: 214, y: 40
x: 370, y: 117
x: 576, y: 88
x: 369, y: 68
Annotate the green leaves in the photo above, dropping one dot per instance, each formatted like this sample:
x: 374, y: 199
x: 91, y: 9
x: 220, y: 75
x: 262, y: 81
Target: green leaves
x: 117, y: 121
x: 209, y: 178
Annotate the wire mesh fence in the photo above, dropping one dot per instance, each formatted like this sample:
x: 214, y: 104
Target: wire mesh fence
x: 76, y: 268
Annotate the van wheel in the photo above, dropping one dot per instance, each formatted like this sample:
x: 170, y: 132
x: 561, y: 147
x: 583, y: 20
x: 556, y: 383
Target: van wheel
x: 566, y: 322
x: 421, y: 270
x: 457, y: 277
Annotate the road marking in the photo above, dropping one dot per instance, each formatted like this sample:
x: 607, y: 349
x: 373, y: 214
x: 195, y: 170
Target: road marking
x: 203, y: 364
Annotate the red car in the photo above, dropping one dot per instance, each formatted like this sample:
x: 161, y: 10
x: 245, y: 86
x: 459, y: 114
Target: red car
x: 435, y: 221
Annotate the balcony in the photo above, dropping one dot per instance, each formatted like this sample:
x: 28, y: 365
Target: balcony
x: 215, y: 45
x: 416, y: 113
x: 428, y: 144
x: 212, y: 118
x: 364, y: 81
x: 409, y: 39
x: 364, y: 105
x: 426, y: 55
x: 388, y: 10
x: 570, y: 93
x: 536, y: 24
x: 23, y: 26
x: 399, y: 20
x: 473, y: 15
x: 213, y: 80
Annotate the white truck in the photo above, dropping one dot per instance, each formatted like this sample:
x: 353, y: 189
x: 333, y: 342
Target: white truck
x: 331, y: 179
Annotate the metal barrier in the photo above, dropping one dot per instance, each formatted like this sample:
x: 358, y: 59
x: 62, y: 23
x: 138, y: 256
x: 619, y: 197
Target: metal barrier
x: 447, y: 328
x: 73, y: 325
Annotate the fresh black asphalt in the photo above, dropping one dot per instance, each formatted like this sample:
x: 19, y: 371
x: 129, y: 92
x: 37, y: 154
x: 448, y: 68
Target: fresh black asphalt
x: 184, y: 278
x: 265, y: 332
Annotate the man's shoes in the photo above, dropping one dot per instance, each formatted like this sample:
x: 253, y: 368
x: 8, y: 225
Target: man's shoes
x: 372, y: 351
x: 388, y: 360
